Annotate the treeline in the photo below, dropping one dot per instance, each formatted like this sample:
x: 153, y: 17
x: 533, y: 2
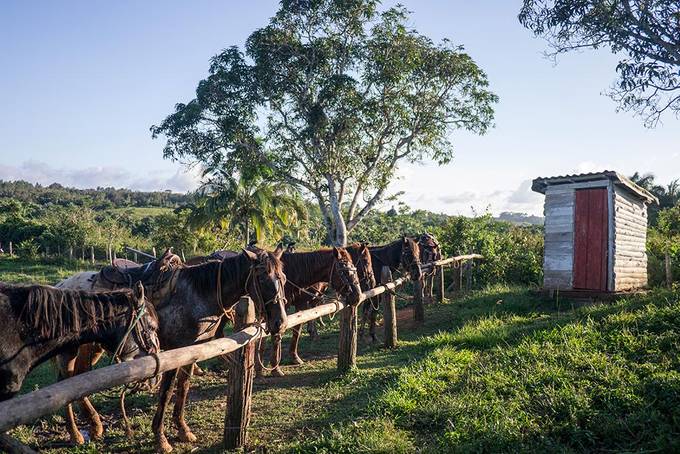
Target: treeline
x: 77, y: 231
x: 97, y: 199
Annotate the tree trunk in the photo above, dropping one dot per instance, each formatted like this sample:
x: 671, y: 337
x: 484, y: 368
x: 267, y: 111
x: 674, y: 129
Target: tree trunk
x: 340, y: 228
x: 669, y: 270
x: 247, y: 233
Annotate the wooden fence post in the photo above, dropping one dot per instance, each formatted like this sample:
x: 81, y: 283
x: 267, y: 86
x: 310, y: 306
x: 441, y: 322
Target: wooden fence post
x: 347, y: 348
x: 389, y: 310
x: 241, y: 371
x: 92, y: 254
x: 11, y: 250
x: 153, y: 250
x: 440, y: 282
x: 418, y: 308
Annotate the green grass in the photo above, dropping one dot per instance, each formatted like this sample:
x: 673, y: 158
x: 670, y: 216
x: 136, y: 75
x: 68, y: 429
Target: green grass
x: 17, y: 270
x: 140, y: 212
x: 499, y: 370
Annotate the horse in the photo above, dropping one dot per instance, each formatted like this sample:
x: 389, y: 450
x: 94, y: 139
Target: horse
x: 40, y: 322
x: 191, y: 305
x: 191, y: 312
x: 120, y: 274
x: 430, y: 251
x: 303, y: 299
x: 403, y: 253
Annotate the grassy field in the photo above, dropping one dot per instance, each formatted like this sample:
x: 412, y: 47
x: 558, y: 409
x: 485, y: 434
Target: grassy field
x: 498, y: 370
x: 16, y: 270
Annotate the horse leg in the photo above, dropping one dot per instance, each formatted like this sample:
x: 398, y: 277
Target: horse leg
x: 88, y: 355
x: 276, y: 357
x: 65, y: 365
x: 372, y: 324
x: 293, y: 350
x: 181, y: 391
x: 259, y: 354
x: 429, y: 284
x: 312, y: 329
x: 364, y: 317
x: 157, y: 425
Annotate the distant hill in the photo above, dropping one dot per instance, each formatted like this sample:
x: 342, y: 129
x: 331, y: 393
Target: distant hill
x: 98, y: 199
x: 520, y: 218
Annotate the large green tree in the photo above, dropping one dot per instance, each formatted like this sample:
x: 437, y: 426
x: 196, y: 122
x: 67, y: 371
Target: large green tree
x: 646, y: 33
x: 332, y: 95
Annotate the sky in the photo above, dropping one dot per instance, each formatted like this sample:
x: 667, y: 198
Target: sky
x: 81, y: 82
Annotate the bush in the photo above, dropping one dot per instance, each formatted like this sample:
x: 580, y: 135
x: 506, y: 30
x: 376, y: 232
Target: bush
x: 512, y: 254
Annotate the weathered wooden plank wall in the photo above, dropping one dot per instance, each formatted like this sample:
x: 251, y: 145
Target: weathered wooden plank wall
x: 559, y: 238
x: 630, y: 237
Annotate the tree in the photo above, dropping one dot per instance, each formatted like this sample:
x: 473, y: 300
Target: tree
x: 669, y: 195
x: 664, y: 239
x: 249, y: 202
x: 646, y: 33
x: 331, y: 96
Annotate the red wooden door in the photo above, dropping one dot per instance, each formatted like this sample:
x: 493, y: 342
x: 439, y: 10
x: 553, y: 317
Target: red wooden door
x: 590, y: 239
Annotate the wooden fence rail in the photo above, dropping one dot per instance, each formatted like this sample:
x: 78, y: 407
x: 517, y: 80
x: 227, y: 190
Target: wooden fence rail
x: 28, y: 407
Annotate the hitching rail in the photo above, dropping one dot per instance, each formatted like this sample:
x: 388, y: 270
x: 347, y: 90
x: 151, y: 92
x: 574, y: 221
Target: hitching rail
x: 28, y: 407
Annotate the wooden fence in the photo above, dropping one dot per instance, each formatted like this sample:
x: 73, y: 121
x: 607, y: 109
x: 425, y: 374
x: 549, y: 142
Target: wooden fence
x: 239, y: 346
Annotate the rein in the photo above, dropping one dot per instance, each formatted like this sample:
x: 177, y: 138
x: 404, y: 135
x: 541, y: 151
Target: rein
x: 137, y: 313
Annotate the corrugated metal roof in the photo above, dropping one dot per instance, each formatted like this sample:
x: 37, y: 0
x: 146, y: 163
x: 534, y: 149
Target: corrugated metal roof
x: 540, y: 184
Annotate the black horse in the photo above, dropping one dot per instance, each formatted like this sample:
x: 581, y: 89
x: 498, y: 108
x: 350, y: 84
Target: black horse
x: 40, y: 322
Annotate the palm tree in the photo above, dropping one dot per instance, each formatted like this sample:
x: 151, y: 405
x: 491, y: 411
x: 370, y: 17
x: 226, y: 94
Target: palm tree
x: 247, y: 204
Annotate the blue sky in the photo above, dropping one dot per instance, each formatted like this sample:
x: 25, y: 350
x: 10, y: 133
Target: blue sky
x: 82, y: 82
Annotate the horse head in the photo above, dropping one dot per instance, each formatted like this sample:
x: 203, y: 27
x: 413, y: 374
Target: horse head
x: 344, y: 278
x: 267, y: 284
x: 410, y: 258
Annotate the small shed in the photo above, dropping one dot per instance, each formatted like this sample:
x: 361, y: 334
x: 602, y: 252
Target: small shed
x: 595, y: 232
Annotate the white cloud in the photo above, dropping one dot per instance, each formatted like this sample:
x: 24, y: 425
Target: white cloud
x: 182, y: 180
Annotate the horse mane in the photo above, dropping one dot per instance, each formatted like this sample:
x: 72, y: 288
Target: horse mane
x: 301, y: 262
x: 55, y: 313
x: 203, y: 276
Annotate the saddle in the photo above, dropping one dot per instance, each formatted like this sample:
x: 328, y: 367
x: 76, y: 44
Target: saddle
x: 122, y: 273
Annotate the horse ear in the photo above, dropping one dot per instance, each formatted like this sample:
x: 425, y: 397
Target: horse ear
x: 138, y: 292
x: 336, y: 253
x: 278, y: 252
x: 405, y: 239
x: 250, y: 254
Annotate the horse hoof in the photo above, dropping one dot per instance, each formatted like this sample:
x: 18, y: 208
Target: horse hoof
x: 187, y: 436
x: 277, y: 372
x: 162, y: 446
x: 77, y: 439
x: 296, y: 360
x: 97, y: 431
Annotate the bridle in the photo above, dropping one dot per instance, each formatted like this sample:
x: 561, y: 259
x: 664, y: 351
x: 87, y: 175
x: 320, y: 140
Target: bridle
x: 367, y: 272
x: 346, y: 270
x: 256, y: 270
x: 143, y: 337
x: 409, y: 263
x: 430, y: 249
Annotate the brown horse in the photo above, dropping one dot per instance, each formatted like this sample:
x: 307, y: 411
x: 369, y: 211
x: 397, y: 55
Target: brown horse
x: 40, y: 322
x: 400, y: 254
x: 311, y: 296
x: 304, y: 269
x: 154, y: 276
x: 192, y: 312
